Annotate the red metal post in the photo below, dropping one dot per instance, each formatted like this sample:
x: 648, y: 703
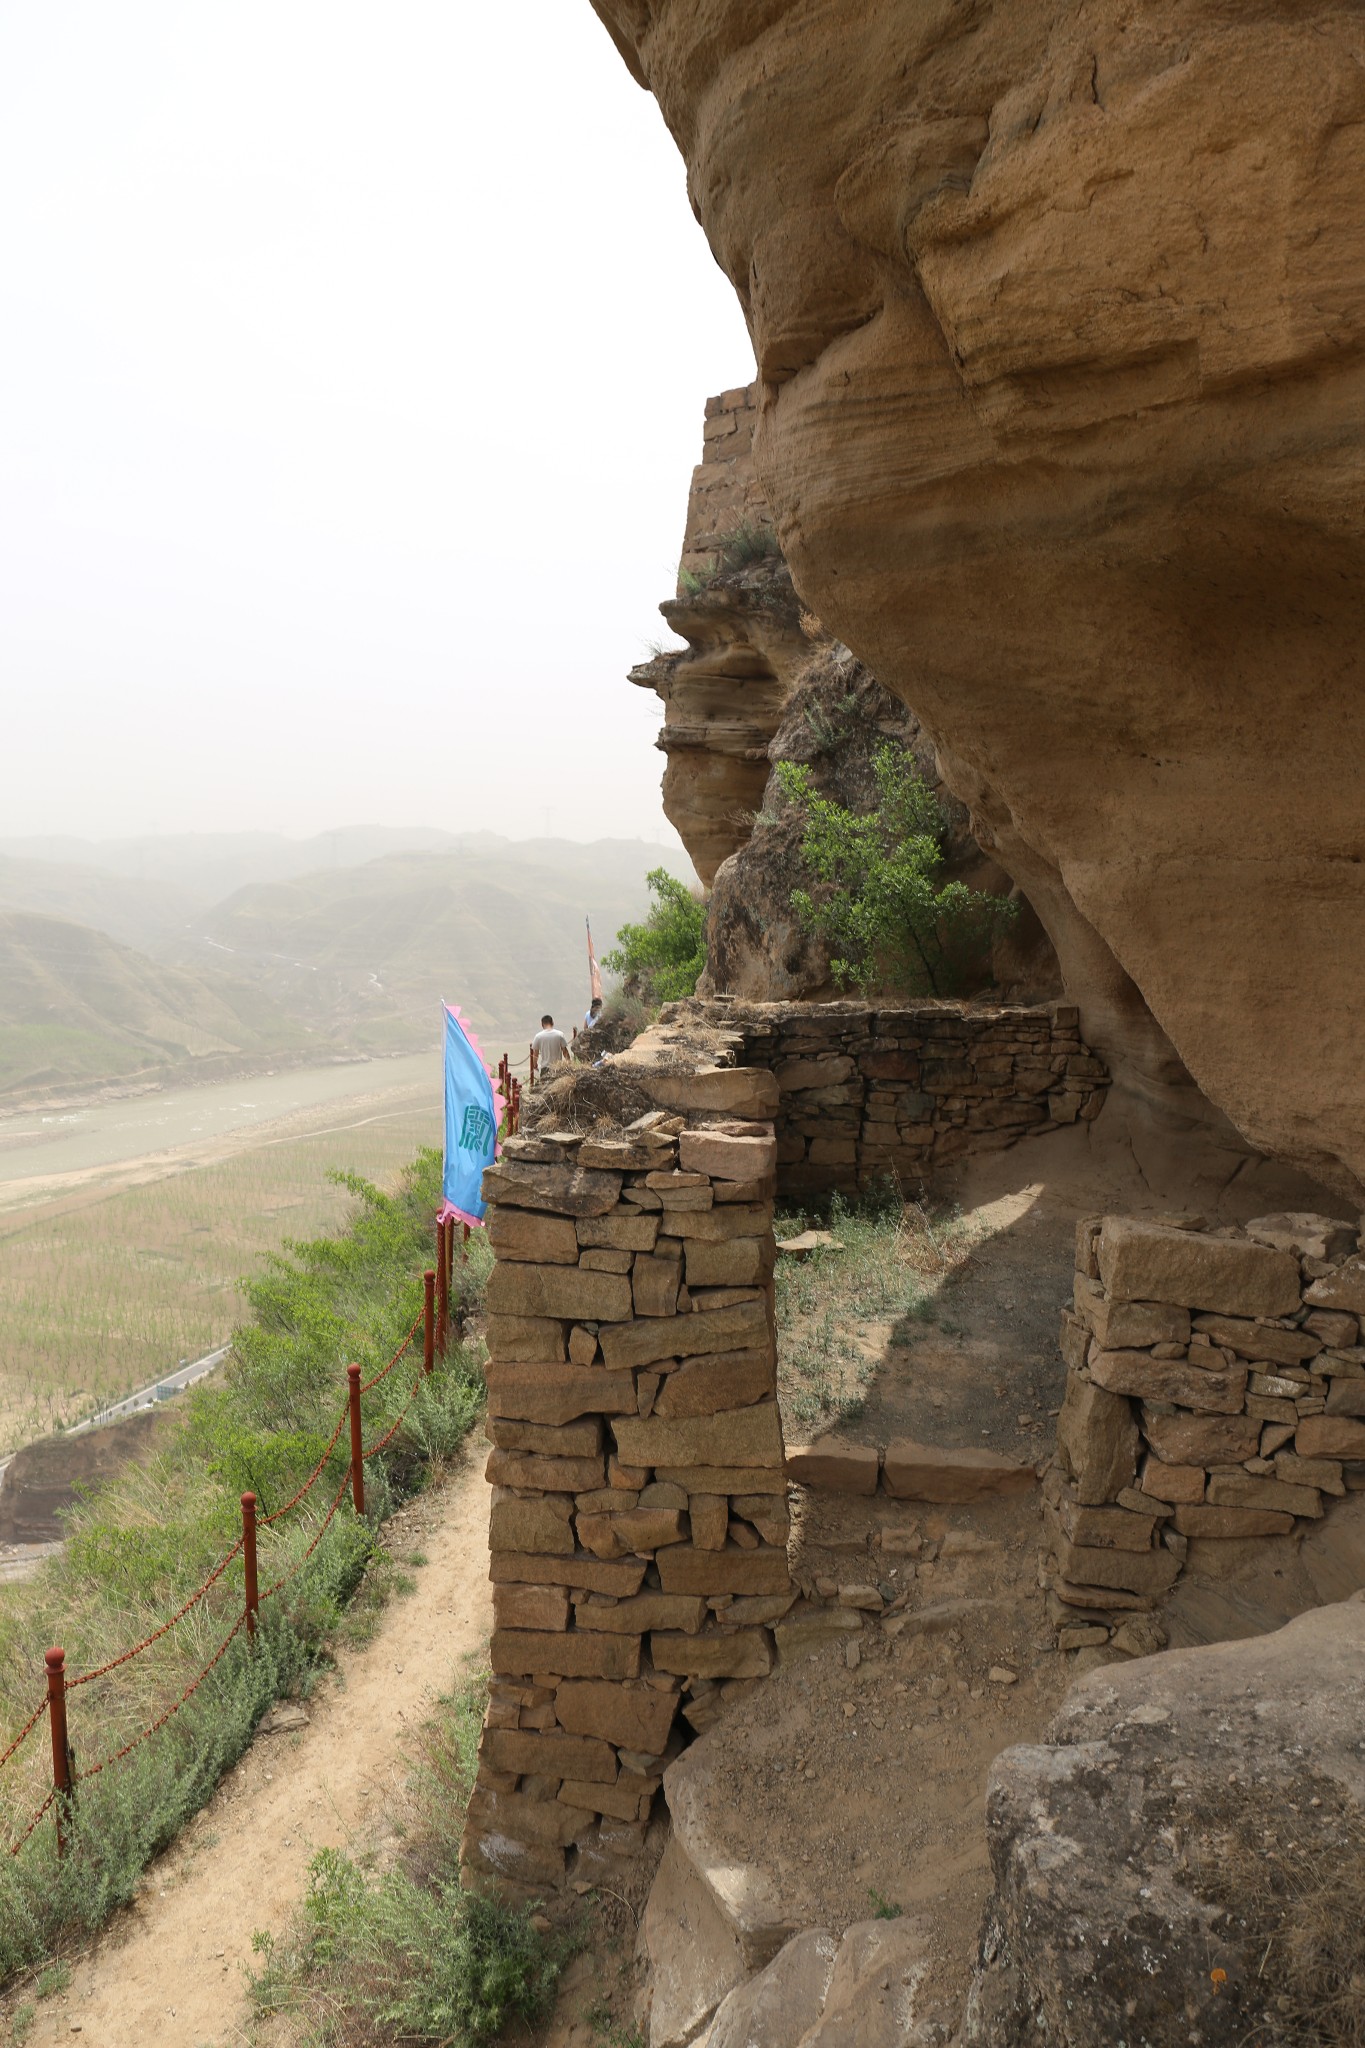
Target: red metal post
x: 464, y: 1243
x: 450, y: 1256
x: 253, y: 1594
x: 442, y: 1289
x: 357, y: 1451
x: 428, y: 1320
x: 55, y: 1661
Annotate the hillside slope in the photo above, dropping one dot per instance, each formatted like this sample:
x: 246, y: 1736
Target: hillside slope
x: 76, y: 1007
x: 366, y: 955
x: 135, y: 912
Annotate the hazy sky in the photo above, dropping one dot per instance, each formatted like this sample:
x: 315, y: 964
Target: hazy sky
x: 352, y: 361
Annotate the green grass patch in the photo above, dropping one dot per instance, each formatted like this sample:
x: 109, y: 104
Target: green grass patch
x: 832, y: 1307
x: 402, y: 1953
x: 139, y: 1546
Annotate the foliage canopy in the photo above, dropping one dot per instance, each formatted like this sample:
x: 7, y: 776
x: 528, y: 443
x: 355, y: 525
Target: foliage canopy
x: 875, y: 900
x: 662, y: 958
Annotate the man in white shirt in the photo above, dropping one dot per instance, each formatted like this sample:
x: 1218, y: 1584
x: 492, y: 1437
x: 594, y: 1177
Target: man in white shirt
x: 550, y: 1047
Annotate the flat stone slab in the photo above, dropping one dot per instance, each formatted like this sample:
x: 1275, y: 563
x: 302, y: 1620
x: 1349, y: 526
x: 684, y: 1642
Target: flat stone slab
x: 833, y: 1465
x: 915, y: 1471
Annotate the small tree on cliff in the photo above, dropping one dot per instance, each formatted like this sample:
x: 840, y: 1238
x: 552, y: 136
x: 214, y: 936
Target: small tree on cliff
x: 875, y: 901
x: 661, y: 960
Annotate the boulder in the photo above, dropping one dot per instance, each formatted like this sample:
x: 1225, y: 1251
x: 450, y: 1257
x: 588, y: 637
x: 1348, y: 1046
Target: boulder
x: 877, y: 1973
x: 1133, y: 1902
x: 694, y: 1957
x: 776, y: 2008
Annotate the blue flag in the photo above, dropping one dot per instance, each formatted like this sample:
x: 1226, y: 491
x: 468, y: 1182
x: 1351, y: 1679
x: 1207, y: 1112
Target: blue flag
x: 474, y: 1109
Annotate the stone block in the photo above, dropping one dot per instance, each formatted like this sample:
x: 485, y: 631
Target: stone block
x: 1137, y: 1373
x: 1339, y: 1330
x: 517, y: 1340
x: 636, y: 1716
x: 580, y: 1439
x: 635, y: 1531
x: 747, y: 1191
x: 725, y: 1479
x: 740, y: 1653
x: 639, y: 1154
x: 1105, y: 1528
x: 1323, y: 1473
x: 1173, y: 1483
x: 528, y: 1820
x: 728, y: 1379
x: 810, y: 1630
x: 549, y: 1756
x: 1343, y: 1290
x: 831, y: 1070
x: 721, y: 1225
x: 742, y: 1436
x: 1246, y: 1490
x: 834, y: 1465
x: 655, y: 1283
x: 604, y: 1260
x: 683, y: 1199
x: 723, y: 1157
x: 564, y: 1190
x: 583, y: 1346
x: 547, y: 1475
x: 654, y: 1338
x: 532, y: 1866
x: 1304, y: 1234
x: 1097, y: 1437
x: 573, y: 1293
x: 684, y: 1611
x: 1346, y: 1397
x: 685, y: 1569
x: 1152, y: 1262
x: 623, y: 1230
x: 590, y: 1574
x: 526, y: 1234
x: 557, y: 1393
x: 738, y: 1262
x: 1201, y: 1439
x: 532, y: 1525
x: 1260, y: 1342
x: 535, y: 1607
x: 1227, y: 1524
x: 1330, y: 1436
x: 710, y: 1517
x: 573, y: 1654
x: 915, y: 1471
x: 1148, y: 1572
x: 1133, y: 1325
x: 720, y: 1091
x: 630, y: 1798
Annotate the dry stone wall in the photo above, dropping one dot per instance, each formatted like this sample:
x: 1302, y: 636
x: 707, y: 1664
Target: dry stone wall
x: 639, y: 1520
x: 1215, y: 1392
x: 865, y: 1093
x: 725, y: 491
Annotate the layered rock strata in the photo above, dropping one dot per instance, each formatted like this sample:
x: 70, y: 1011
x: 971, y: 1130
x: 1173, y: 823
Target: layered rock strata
x: 639, y: 1517
x: 1215, y: 1392
x: 1058, y: 317
x: 865, y: 1093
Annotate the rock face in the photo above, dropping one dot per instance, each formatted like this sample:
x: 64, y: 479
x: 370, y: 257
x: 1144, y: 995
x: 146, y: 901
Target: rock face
x: 1188, y: 1813
x: 1057, y: 314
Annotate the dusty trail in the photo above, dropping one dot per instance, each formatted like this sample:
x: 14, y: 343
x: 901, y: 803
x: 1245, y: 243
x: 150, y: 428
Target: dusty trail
x: 169, y: 1970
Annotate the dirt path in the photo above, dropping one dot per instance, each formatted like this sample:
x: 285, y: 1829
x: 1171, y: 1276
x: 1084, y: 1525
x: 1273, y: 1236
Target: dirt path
x: 169, y: 1970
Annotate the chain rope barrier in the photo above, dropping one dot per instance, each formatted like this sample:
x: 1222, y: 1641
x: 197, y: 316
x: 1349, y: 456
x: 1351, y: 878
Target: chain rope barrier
x: 32, y: 1722
x: 384, y: 1371
x: 101, y: 1670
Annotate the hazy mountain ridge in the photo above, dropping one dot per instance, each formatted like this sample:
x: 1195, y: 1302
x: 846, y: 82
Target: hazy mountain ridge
x: 348, y: 961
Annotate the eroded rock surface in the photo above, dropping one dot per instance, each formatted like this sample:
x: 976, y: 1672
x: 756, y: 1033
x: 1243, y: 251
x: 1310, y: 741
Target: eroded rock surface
x: 1058, y: 316
x: 1193, y: 1819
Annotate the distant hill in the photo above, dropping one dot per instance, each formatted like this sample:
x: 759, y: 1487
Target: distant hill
x: 208, y: 866
x: 346, y: 960
x: 136, y: 913
x: 77, y: 1008
x: 366, y: 955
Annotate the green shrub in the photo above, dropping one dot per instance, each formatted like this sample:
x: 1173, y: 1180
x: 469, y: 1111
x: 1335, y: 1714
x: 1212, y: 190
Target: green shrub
x: 875, y: 900
x: 662, y: 959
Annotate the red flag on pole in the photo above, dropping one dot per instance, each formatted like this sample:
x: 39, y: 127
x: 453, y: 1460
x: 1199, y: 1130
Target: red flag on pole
x: 594, y: 971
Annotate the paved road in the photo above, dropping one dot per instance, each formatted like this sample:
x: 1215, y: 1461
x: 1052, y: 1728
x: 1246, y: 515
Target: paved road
x: 174, y: 1383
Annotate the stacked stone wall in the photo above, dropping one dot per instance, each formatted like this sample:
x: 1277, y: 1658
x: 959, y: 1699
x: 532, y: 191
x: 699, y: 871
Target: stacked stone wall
x: 639, y: 1518
x: 725, y: 491
x: 1215, y: 1393
x: 865, y: 1093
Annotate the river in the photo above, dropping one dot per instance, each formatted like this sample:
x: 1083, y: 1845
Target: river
x: 49, y: 1144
